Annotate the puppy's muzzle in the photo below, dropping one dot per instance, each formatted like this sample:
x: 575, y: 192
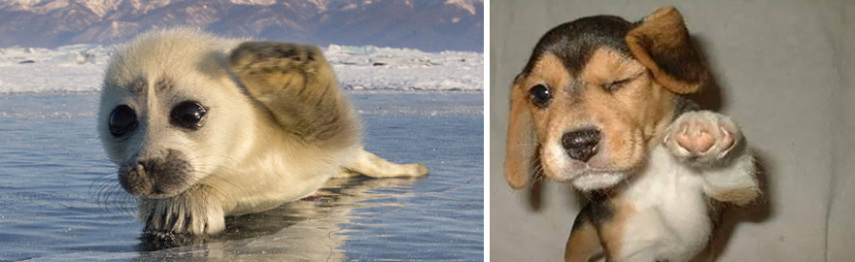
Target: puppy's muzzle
x: 581, y: 144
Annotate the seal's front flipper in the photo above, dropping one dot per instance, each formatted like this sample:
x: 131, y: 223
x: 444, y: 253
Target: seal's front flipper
x: 368, y: 164
x: 299, y: 88
x: 197, y: 211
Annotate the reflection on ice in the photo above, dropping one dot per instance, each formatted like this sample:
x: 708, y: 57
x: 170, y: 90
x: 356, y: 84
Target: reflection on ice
x: 309, y: 229
x: 59, y: 200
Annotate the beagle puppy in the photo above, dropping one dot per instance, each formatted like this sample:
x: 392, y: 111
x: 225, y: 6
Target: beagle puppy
x: 599, y: 105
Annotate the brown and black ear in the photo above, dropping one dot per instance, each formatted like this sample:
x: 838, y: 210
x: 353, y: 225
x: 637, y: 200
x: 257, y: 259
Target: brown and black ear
x: 661, y: 43
x: 520, y: 144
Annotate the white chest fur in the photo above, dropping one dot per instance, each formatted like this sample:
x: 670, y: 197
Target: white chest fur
x: 670, y: 220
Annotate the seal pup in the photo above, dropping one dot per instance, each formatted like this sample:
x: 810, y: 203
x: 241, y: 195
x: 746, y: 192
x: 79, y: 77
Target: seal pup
x: 203, y: 127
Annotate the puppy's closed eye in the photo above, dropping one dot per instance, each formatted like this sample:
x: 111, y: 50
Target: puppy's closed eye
x: 540, y: 95
x: 615, y: 85
x: 620, y: 82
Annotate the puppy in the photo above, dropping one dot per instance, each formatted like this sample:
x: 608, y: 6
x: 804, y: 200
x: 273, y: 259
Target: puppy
x: 598, y: 105
x: 203, y: 127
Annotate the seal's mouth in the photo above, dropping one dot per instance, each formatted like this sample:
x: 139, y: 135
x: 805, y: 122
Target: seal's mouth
x: 161, y: 195
x: 157, y: 177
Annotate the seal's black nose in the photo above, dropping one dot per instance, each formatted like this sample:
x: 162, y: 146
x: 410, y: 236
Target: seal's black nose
x: 134, y: 179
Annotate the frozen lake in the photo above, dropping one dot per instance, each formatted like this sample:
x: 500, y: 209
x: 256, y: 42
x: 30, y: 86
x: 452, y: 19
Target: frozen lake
x: 59, y: 200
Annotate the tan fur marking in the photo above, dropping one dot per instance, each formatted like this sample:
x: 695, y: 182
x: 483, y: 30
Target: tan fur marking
x: 663, y: 34
x: 633, y: 115
x: 639, y: 93
x: 612, y: 231
x: 607, y: 65
x: 520, y: 143
x: 549, y: 70
x: 585, y: 102
x: 740, y: 196
x: 583, y: 244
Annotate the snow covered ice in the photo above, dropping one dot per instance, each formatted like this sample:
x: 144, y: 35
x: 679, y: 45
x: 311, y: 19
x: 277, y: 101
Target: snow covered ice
x: 79, y: 68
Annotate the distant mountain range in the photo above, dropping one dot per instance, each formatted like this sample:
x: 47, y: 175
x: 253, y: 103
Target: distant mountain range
x: 428, y: 25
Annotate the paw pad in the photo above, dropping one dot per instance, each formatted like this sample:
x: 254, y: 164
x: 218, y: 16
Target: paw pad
x: 704, y: 137
x: 698, y: 138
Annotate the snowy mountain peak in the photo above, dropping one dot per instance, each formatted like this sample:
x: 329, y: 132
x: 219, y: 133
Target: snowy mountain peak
x: 98, y: 7
x: 430, y: 25
x: 253, y: 2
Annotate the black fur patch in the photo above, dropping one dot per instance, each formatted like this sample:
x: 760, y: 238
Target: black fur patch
x: 583, y: 218
x: 684, y: 105
x: 574, y: 42
x: 682, y: 63
x: 601, y: 208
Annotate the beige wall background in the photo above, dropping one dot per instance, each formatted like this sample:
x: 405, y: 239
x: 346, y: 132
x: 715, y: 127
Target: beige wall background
x: 784, y: 71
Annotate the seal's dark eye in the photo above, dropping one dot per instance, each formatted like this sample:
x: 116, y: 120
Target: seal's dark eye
x: 188, y: 114
x: 540, y: 95
x: 122, y: 120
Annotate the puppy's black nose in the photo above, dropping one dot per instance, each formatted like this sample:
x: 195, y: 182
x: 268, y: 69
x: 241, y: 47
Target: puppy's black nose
x: 581, y: 144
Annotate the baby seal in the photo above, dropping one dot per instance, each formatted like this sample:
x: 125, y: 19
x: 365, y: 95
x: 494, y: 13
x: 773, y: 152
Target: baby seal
x: 202, y: 127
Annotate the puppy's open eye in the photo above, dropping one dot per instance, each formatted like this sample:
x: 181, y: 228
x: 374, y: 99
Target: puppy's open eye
x: 540, y: 95
x: 188, y: 114
x: 615, y: 85
x: 122, y: 120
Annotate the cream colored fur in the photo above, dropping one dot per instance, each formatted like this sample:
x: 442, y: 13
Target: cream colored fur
x: 276, y: 126
x: 670, y: 221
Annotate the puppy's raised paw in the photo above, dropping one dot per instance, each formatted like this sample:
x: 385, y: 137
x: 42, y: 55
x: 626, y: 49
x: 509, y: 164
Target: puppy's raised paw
x: 702, y: 138
x: 190, y: 212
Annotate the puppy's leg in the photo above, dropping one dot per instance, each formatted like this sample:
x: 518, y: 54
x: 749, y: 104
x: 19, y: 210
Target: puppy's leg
x: 366, y: 163
x: 583, y: 245
x: 196, y: 211
x: 298, y: 87
x: 713, y: 144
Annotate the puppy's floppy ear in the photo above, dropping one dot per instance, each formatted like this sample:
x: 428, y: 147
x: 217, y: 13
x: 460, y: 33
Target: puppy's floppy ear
x: 520, y: 144
x: 661, y: 43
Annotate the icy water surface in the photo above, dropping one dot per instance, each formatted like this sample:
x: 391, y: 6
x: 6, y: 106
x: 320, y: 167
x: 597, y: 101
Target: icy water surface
x: 59, y: 200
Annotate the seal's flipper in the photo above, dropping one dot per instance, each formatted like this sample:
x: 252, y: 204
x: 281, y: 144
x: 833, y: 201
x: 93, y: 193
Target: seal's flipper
x: 368, y: 164
x: 299, y: 88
